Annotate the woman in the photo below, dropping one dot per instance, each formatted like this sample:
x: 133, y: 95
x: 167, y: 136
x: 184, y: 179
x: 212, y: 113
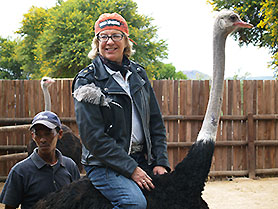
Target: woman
x: 118, y: 117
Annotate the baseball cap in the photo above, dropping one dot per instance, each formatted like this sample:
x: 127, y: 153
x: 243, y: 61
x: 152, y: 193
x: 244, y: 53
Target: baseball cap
x: 46, y: 118
x: 114, y: 21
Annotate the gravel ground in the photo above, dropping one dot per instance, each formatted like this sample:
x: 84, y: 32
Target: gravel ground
x: 242, y: 193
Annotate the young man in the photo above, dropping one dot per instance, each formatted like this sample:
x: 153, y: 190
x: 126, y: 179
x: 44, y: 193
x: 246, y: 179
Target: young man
x: 45, y: 171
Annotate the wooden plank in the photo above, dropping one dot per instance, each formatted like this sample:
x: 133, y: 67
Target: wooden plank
x: 40, y: 99
x: 56, y: 99
x: 276, y: 122
x: 248, y: 89
x: 66, y: 98
x: 17, y: 128
x: 11, y: 137
x: 221, y: 154
x: 221, y: 143
x: 267, y: 123
x: 32, y: 98
x: 229, y: 124
x: 238, y: 155
x: 158, y: 92
x: 17, y: 99
x: 71, y: 108
x: 20, y: 148
x: 251, y: 147
x: 26, y: 99
x: 60, y: 96
x: 5, y: 92
x: 13, y: 157
x: 3, y: 141
x: 11, y: 107
x: 271, y: 124
x: 183, y: 130
x: 173, y: 109
x: 35, y: 100
x: 195, y: 108
x: 260, y: 125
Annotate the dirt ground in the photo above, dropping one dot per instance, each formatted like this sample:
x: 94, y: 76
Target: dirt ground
x: 240, y: 193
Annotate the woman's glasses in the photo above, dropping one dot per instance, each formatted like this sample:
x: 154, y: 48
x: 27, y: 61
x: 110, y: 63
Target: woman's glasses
x: 114, y: 37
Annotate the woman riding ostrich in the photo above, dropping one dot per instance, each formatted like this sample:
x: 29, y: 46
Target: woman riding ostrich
x: 182, y: 188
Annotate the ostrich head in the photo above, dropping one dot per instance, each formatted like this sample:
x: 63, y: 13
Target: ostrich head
x: 46, y: 82
x: 228, y: 21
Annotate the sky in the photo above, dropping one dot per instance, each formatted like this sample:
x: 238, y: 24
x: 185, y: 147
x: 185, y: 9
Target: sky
x: 186, y: 27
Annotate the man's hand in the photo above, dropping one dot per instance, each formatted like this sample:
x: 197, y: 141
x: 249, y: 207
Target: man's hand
x: 159, y: 170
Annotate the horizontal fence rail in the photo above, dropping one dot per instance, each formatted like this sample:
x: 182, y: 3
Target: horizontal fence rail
x: 247, y: 138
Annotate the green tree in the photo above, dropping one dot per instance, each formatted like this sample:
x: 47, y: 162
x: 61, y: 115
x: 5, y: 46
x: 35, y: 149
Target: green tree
x: 263, y: 14
x: 9, y: 64
x: 56, y: 41
x: 32, y: 27
x: 168, y: 71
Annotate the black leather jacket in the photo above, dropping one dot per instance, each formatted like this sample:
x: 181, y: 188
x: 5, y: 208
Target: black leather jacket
x: 103, y: 115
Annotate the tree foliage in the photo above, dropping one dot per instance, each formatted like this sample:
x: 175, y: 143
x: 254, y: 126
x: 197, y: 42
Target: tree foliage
x: 168, y: 71
x: 56, y: 41
x: 9, y: 64
x: 263, y: 14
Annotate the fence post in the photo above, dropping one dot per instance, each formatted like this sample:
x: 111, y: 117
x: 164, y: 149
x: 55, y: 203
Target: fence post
x: 251, y: 147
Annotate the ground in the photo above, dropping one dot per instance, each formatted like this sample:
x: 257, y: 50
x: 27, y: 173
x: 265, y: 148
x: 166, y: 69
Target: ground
x: 240, y: 193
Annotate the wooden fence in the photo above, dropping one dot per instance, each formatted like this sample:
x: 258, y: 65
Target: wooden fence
x: 247, y: 139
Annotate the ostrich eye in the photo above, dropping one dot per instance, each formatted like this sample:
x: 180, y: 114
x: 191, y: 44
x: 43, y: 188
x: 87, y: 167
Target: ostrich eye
x: 233, y: 17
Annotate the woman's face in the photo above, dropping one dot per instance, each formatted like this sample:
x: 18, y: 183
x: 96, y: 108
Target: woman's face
x: 112, y: 50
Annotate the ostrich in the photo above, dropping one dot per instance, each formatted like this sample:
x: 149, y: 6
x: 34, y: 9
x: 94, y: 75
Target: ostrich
x: 182, y: 188
x: 69, y: 144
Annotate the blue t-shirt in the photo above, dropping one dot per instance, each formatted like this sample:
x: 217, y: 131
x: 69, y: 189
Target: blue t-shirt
x: 32, y: 178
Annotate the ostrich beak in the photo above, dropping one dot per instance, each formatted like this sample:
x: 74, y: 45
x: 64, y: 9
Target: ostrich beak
x: 51, y: 81
x: 242, y: 24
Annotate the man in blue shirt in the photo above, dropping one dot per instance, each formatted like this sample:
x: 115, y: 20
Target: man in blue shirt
x: 45, y: 171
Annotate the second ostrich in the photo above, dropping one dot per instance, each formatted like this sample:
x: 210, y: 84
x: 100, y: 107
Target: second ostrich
x: 182, y: 188
x: 69, y: 144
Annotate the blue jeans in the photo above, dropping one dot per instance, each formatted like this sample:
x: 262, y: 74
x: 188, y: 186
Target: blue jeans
x: 121, y: 191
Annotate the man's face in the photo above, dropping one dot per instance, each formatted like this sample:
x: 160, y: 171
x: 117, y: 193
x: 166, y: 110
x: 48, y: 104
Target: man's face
x: 45, y: 138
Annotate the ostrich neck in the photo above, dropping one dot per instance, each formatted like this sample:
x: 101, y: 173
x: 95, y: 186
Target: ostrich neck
x: 210, y: 123
x: 47, y: 99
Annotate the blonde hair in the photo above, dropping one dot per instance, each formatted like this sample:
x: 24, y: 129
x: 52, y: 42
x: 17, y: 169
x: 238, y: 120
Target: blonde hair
x: 128, y: 51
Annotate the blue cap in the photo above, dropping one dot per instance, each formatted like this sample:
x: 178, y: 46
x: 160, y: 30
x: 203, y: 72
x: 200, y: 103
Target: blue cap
x: 48, y: 119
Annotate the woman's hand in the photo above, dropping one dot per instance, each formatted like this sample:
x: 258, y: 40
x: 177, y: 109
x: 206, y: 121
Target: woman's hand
x: 159, y: 170
x: 142, y: 179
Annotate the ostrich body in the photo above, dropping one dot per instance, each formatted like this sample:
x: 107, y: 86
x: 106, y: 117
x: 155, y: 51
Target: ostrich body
x: 69, y: 144
x: 182, y: 188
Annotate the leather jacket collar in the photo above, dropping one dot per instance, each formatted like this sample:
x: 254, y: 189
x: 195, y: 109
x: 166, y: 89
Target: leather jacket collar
x: 100, y: 74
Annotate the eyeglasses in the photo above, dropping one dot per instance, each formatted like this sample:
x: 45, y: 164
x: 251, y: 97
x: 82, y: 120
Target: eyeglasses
x: 114, y: 37
x: 45, y: 134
